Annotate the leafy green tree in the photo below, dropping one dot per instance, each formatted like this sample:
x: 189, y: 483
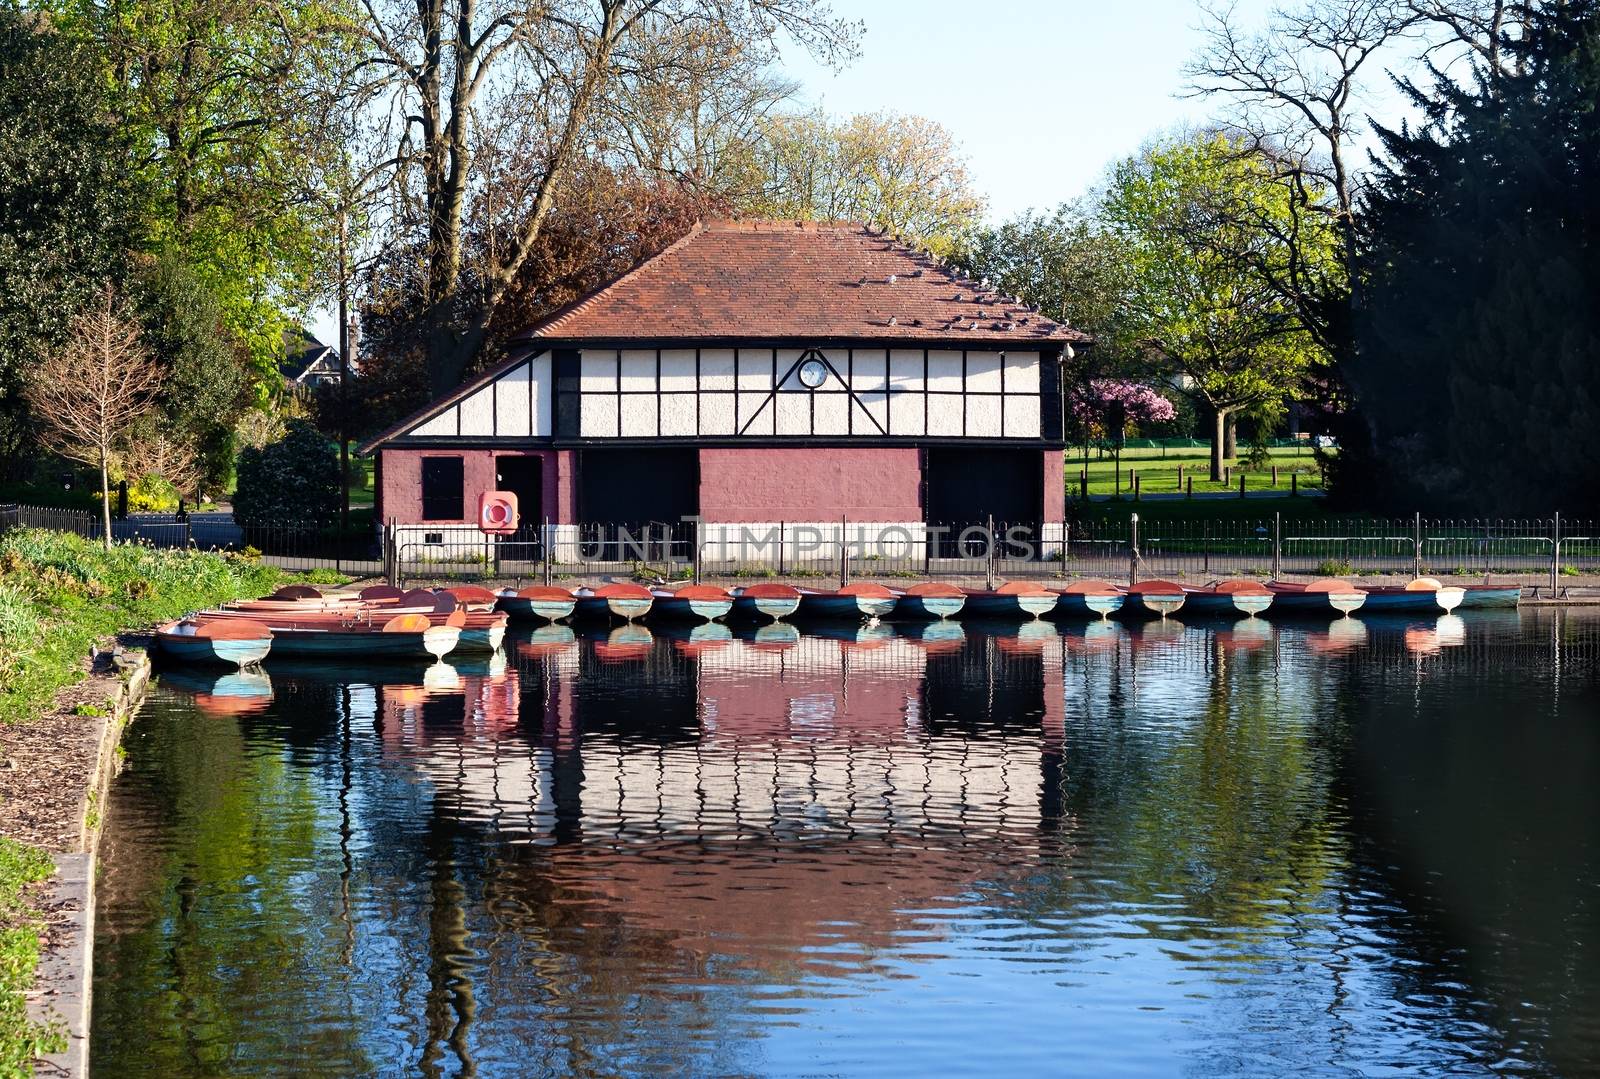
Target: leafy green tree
x: 1478, y: 366
x: 292, y: 481
x: 902, y: 173
x: 221, y: 103
x: 1202, y: 299
x: 67, y: 204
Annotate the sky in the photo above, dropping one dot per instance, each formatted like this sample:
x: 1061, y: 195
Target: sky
x: 1042, y: 95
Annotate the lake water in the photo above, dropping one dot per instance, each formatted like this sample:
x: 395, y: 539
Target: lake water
x: 1363, y: 847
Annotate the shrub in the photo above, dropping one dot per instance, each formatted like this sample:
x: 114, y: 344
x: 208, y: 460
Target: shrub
x: 292, y: 481
x: 1334, y: 567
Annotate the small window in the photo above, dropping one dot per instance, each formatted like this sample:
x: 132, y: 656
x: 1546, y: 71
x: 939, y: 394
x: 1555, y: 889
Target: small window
x: 442, y: 498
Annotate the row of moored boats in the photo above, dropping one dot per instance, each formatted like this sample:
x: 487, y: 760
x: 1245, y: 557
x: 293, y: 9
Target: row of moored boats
x: 383, y: 622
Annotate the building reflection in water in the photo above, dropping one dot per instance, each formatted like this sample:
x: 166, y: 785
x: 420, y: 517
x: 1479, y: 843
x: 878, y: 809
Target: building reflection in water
x: 621, y: 849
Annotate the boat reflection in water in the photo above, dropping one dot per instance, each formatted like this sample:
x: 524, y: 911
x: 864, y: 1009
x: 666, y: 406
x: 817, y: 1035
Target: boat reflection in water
x: 1150, y: 847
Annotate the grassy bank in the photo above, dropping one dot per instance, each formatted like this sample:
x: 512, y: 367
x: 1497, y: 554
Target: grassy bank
x: 59, y: 595
x: 20, y: 1040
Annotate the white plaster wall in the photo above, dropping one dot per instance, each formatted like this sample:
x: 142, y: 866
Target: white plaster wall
x: 442, y: 424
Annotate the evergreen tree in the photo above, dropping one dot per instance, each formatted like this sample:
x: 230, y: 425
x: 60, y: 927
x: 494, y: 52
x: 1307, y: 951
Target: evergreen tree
x: 1478, y: 360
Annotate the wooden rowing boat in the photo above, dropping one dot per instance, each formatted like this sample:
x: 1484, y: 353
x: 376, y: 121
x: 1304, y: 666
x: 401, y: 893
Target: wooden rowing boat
x: 233, y: 643
x: 1154, y: 599
x: 767, y: 600
x: 1245, y: 597
x: 694, y: 602
x: 932, y: 600
x: 540, y: 603
x: 1089, y: 599
x: 1425, y: 595
x: 619, y: 599
x: 1014, y: 599
x: 1328, y: 595
x: 853, y: 602
x: 403, y: 636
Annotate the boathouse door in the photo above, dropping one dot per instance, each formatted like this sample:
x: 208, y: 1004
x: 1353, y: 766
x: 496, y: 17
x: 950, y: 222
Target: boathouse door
x: 523, y: 476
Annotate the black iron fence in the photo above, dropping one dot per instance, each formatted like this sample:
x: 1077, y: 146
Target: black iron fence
x: 291, y: 546
x: 1545, y: 554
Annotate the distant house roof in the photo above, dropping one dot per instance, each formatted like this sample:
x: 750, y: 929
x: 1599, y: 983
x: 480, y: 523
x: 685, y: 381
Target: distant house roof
x: 306, y: 359
x: 771, y: 280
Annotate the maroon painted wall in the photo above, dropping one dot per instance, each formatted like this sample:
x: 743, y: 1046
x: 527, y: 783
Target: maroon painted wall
x: 740, y: 486
x: 400, y: 485
x: 1055, y: 485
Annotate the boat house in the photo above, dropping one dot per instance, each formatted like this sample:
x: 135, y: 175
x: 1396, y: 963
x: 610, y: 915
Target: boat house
x: 753, y: 373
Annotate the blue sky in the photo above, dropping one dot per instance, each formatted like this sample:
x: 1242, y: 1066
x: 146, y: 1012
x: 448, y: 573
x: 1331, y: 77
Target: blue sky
x: 1041, y: 95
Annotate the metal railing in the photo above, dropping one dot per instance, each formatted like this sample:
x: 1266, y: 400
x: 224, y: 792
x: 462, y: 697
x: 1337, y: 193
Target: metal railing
x: 1544, y: 554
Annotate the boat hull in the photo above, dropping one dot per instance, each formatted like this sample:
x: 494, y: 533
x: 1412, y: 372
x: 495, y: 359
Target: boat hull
x: 1478, y: 597
x: 1422, y: 601
x: 771, y: 608
x: 1318, y: 603
x: 1089, y: 604
x: 929, y: 607
x: 481, y: 639
x: 693, y: 610
x: 536, y: 610
x: 1228, y: 603
x: 820, y: 605
x: 1154, y: 604
x: 1010, y: 605
x: 627, y: 608
x: 212, y: 651
x: 435, y: 642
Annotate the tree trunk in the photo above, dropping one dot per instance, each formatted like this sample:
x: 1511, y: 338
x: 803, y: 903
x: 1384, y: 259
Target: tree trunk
x: 1219, y: 436
x: 1230, y: 437
x: 105, y: 500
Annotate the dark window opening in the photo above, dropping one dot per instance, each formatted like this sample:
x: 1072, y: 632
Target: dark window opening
x: 442, y: 495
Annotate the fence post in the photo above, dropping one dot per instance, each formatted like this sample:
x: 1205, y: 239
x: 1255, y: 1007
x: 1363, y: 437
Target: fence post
x: 1241, y: 483
x: 1294, y: 484
x: 547, y: 545
x: 1188, y: 491
x: 1205, y: 548
x: 697, y: 546
x: 1277, y: 545
x: 1136, y: 482
x: 1180, y: 477
x: 1555, y: 553
x: 1416, y: 545
x: 988, y: 557
x: 844, y: 556
x: 780, y: 548
x: 1133, y: 549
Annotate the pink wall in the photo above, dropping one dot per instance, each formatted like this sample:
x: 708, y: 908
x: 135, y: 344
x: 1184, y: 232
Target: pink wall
x: 739, y: 486
x: 1055, y: 489
x: 400, y: 493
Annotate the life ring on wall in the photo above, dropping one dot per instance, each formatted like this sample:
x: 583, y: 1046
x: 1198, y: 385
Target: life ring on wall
x: 497, y: 513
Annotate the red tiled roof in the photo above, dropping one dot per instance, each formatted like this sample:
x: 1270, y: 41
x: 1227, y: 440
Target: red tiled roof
x: 767, y: 280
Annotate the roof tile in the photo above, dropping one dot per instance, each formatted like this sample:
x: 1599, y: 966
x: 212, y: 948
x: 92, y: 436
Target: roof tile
x: 765, y: 280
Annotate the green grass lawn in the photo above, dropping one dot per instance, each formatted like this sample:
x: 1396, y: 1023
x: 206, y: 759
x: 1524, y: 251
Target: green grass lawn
x: 361, y: 488
x: 1159, y: 472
